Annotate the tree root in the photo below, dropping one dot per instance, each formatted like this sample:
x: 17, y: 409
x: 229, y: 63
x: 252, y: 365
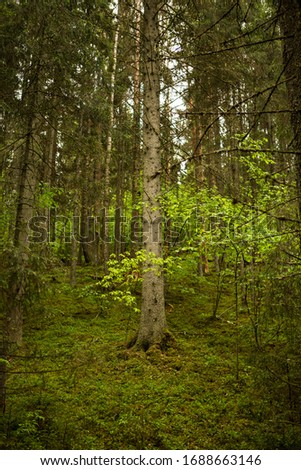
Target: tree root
x: 166, y: 342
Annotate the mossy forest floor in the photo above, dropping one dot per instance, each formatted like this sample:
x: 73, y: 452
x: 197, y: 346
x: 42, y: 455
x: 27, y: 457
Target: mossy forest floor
x: 75, y: 385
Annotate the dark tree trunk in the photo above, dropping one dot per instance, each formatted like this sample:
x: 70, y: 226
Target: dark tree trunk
x: 290, y: 17
x: 12, y: 328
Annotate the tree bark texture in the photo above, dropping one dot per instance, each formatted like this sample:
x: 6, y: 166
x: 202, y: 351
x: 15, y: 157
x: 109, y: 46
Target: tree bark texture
x: 153, y: 321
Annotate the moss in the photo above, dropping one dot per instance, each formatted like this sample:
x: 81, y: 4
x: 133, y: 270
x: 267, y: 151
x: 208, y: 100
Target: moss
x: 77, y: 385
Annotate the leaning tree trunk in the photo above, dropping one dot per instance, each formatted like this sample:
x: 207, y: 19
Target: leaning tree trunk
x: 152, y: 328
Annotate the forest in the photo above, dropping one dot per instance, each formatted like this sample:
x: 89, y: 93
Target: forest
x: 150, y: 214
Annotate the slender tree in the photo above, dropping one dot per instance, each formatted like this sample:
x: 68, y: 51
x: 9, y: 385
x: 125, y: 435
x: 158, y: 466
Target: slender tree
x: 136, y: 159
x: 106, y: 246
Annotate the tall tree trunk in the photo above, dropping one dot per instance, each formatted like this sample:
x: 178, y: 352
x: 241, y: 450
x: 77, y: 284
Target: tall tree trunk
x: 106, y: 245
x: 27, y: 171
x: 98, y: 174
x: 25, y: 205
x: 86, y: 221
x: 153, y: 321
x: 118, y: 229
x: 75, y: 227
x: 167, y: 161
x: 13, y: 320
x: 50, y: 166
x: 74, y: 244
x: 136, y: 165
x: 199, y: 180
x: 290, y: 17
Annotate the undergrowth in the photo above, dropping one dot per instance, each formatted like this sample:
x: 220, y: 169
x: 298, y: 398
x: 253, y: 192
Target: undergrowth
x: 75, y: 385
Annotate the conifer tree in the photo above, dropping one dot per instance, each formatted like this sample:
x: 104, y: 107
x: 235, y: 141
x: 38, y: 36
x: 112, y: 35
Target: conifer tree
x: 153, y: 325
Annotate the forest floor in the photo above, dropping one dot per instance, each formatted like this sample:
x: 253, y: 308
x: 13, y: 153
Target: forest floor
x: 75, y: 385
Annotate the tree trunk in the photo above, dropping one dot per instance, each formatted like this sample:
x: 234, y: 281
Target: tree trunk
x: 25, y: 204
x: 106, y: 244
x: 98, y: 191
x: 136, y: 164
x: 290, y: 17
x: 199, y: 180
x: 28, y: 164
x: 13, y: 320
x: 74, y: 245
x: 49, y: 173
x: 153, y: 324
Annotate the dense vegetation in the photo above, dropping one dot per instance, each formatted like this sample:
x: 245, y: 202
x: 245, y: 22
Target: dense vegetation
x: 150, y: 264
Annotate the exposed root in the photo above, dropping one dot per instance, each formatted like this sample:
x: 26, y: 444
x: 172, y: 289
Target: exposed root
x: 167, y: 341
